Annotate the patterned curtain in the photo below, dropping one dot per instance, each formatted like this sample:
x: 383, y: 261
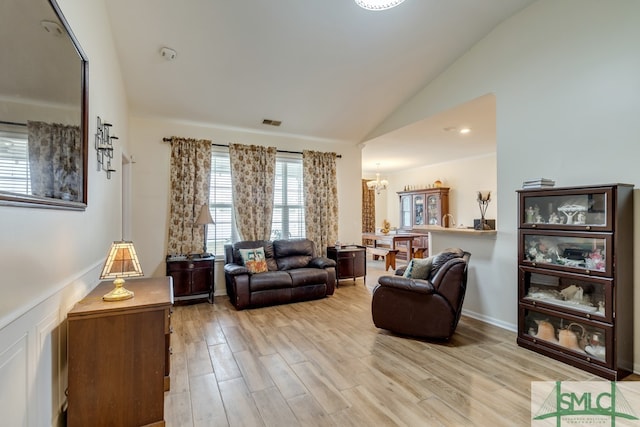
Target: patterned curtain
x: 368, y: 208
x: 253, y: 176
x: 320, y: 198
x: 55, y: 160
x: 190, y: 180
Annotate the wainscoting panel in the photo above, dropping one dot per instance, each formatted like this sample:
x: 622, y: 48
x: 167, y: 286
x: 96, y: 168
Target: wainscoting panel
x: 33, y: 367
x: 14, y: 380
x: 47, y: 367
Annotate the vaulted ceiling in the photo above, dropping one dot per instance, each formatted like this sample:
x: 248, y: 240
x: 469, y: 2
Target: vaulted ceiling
x: 327, y: 69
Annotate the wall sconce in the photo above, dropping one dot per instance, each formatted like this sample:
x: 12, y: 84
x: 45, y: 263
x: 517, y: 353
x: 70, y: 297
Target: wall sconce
x: 121, y: 262
x: 104, y: 147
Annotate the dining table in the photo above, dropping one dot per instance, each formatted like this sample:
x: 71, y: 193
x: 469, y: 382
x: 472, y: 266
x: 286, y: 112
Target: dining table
x: 391, y: 240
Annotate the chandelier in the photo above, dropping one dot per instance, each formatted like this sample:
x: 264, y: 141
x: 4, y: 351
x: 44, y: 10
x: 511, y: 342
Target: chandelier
x: 378, y: 4
x: 378, y: 184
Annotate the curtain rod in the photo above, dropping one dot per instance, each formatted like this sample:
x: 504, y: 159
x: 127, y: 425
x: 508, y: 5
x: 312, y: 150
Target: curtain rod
x: 279, y: 151
x: 3, y: 122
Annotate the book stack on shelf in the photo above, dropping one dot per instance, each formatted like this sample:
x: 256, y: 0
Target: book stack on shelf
x: 538, y: 183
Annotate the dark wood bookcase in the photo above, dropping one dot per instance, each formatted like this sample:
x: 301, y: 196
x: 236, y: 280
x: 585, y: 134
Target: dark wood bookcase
x: 575, y: 273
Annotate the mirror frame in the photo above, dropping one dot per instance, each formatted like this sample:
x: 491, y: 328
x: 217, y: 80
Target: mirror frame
x: 25, y: 200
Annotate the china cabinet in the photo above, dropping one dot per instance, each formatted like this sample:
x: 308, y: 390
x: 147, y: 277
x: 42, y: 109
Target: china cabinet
x: 423, y: 207
x: 575, y: 293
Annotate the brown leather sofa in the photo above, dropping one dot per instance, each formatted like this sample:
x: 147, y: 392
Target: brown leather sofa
x: 428, y: 308
x: 295, y: 274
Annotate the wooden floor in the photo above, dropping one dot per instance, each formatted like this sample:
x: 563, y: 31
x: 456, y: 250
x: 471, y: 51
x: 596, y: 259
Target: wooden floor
x: 324, y: 363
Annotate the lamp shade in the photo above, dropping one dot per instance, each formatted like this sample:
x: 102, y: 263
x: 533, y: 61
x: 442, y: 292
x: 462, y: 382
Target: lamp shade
x: 121, y: 262
x: 204, y: 217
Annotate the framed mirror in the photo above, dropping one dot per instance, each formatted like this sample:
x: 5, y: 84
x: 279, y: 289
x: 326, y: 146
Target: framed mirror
x: 43, y: 108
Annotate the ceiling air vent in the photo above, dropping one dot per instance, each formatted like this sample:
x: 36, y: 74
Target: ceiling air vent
x: 271, y: 122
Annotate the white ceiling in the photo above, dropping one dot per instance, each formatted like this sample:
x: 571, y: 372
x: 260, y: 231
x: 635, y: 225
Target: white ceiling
x: 327, y: 69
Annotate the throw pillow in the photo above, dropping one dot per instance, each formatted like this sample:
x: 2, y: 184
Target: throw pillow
x: 408, y: 270
x: 418, y: 268
x: 254, y: 259
x: 421, y: 268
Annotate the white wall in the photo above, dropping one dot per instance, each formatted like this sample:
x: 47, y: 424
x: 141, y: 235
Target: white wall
x: 464, y: 177
x: 565, y: 76
x: 151, y: 182
x: 51, y: 258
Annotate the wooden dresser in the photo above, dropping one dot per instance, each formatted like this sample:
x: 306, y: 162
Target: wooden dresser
x: 118, y: 355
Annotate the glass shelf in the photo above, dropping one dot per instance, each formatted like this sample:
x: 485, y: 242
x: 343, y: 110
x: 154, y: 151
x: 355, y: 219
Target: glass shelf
x: 586, y: 253
x: 566, y: 209
x: 583, y: 339
x: 585, y: 297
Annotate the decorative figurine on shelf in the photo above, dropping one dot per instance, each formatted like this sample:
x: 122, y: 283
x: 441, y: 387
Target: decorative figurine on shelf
x: 386, y: 226
x: 596, y: 260
x: 581, y: 218
x: 573, y: 293
x: 570, y: 211
x: 554, y: 218
x: 572, y: 339
x: 531, y: 214
x: 595, y: 346
x: 546, y: 331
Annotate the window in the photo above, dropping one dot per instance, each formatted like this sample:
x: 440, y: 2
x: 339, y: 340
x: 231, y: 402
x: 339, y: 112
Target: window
x: 288, y: 212
x: 220, y: 204
x: 14, y: 162
x: 288, y: 200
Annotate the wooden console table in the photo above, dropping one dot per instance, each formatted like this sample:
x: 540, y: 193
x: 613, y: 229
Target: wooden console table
x: 118, y: 355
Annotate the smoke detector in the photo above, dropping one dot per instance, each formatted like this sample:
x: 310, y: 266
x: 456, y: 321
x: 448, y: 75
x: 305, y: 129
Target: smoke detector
x: 168, y: 53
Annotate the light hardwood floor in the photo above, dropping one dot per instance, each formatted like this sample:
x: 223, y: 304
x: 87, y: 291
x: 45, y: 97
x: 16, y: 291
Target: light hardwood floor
x: 324, y: 363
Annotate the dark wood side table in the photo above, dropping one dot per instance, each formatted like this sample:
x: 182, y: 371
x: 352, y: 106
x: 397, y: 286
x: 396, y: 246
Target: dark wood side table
x: 118, y: 355
x: 192, y: 277
x: 351, y: 261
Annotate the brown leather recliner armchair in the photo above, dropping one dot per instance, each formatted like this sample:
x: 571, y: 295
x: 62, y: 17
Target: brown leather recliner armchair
x: 423, y: 308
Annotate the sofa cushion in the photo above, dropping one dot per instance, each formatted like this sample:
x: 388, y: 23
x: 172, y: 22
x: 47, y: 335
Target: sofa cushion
x: 307, y: 276
x: 295, y: 253
x: 252, y: 244
x: 270, y: 280
x: 254, y: 260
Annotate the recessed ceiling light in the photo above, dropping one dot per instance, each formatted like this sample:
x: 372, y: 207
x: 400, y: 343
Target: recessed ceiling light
x: 378, y: 4
x: 464, y: 130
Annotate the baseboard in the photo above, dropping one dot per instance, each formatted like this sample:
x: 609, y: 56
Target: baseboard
x: 490, y: 320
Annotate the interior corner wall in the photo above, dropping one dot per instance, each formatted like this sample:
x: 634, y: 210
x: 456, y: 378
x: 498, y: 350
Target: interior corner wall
x: 52, y: 258
x: 565, y: 76
x: 150, y: 192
